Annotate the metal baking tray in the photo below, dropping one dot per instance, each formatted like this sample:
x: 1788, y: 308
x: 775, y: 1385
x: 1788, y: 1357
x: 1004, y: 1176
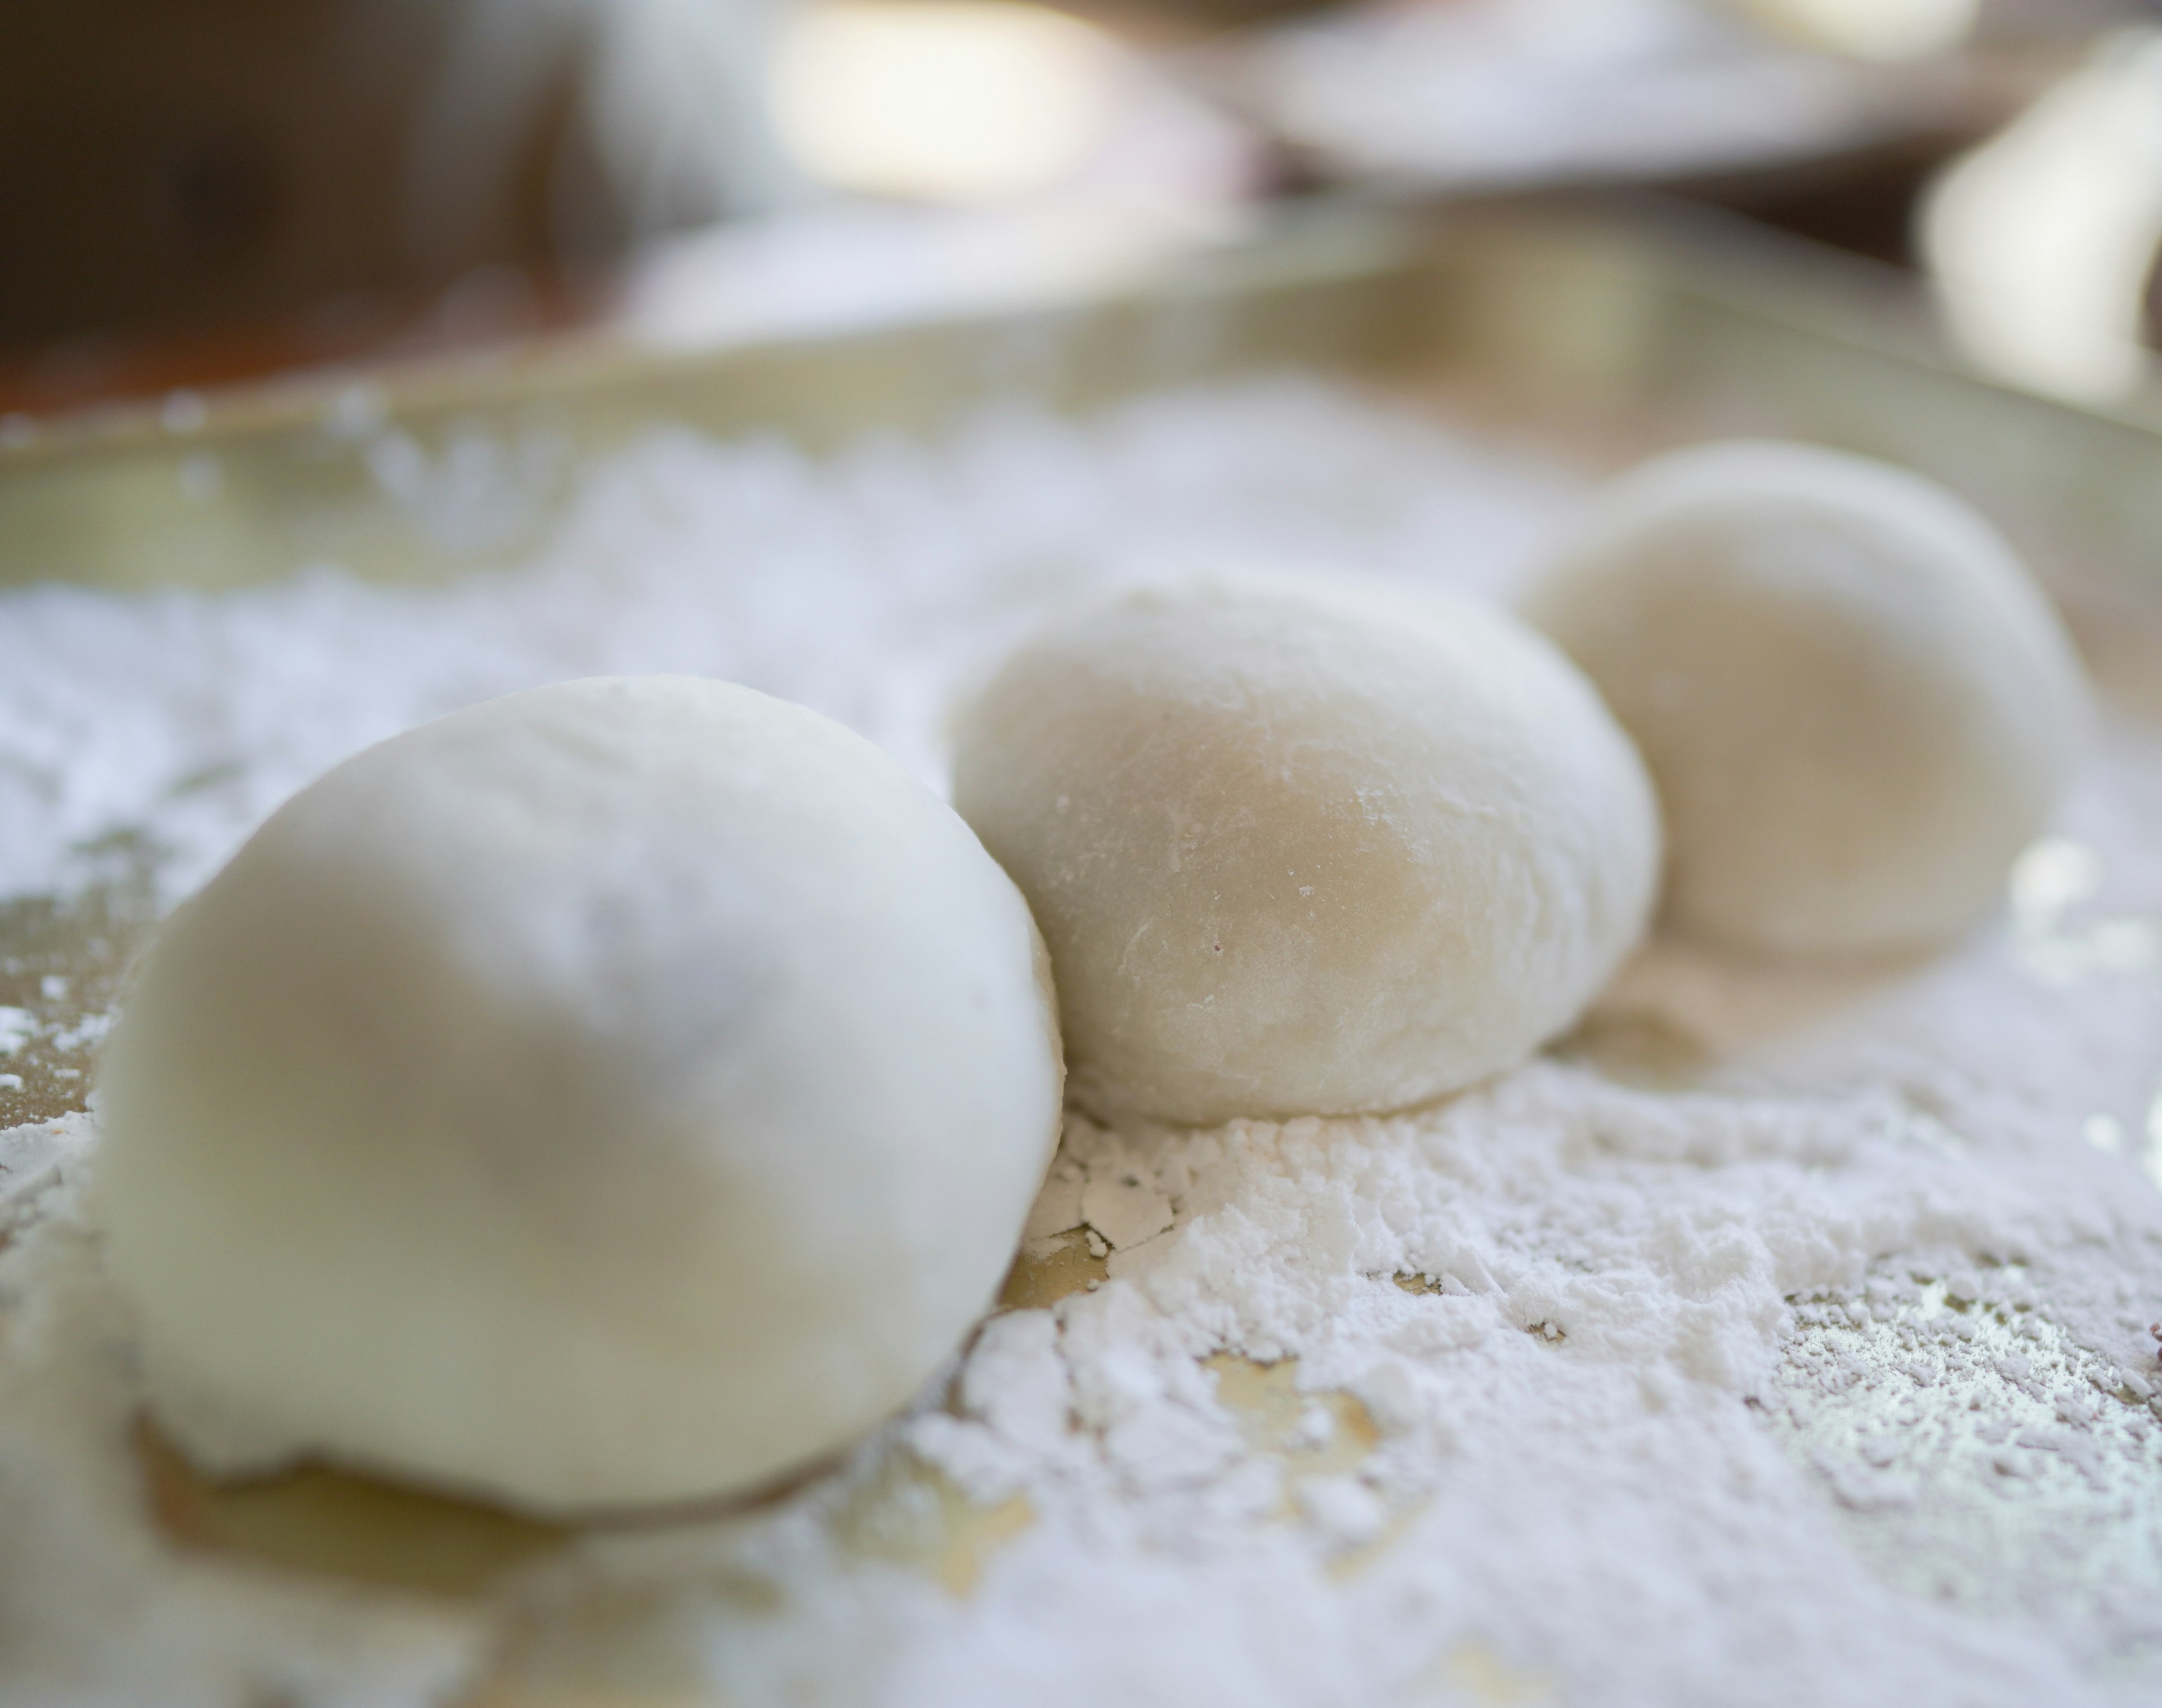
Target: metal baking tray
x: 1588, y: 307
x: 1613, y: 324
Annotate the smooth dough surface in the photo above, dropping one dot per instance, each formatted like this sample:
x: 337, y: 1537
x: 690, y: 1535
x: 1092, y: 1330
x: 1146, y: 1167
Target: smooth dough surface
x: 618, y: 1093
x: 1304, y: 849
x: 1857, y: 706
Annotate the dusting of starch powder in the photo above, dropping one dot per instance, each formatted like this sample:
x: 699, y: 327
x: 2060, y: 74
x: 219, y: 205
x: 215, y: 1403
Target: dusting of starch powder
x: 1780, y: 1338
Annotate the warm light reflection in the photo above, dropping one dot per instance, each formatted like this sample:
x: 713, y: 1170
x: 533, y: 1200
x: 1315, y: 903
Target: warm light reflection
x: 1870, y: 29
x: 950, y: 100
x: 2042, y: 241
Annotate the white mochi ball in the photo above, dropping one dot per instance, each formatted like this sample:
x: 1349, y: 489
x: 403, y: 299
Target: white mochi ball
x: 1298, y: 849
x: 618, y: 1093
x: 1857, y: 706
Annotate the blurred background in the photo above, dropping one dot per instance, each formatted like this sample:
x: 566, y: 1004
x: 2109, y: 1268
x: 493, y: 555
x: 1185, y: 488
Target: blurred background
x: 198, y: 191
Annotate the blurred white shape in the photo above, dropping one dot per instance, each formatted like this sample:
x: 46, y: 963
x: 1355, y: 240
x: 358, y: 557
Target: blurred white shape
x: 2042, y: 241
x: 1889, y: 31
x: 660, y: 104
x: 968, y: 101
x: 2104, y: 1132
x: 2058, y: 935
x: 2054, y: 876
x: 834, y: 270
x: 673, y: 98
x: 2150, y: 1153
x: 1504, y: 93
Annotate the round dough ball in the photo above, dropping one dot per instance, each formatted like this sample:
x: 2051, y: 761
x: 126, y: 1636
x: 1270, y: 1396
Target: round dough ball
x: 1857, y: 705
x: 1299, y: 849
x: 618, y: 1093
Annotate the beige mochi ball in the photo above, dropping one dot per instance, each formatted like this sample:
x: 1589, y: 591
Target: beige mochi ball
x: 618, y: 1093
x: 1301, y: 849
x: 1857, y: 704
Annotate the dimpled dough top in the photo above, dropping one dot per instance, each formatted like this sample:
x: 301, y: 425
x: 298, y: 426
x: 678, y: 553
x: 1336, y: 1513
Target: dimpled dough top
x: 618, y: 1093
x: 1298, y: 849
x: 1857, y: 706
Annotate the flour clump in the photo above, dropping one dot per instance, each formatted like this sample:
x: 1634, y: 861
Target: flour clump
x: 1301, y: 849
x: 618, y: 1093
x: 1857, y: 704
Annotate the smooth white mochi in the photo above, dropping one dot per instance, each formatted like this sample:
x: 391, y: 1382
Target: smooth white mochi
x: 616, y: 1093
x: 1298, y: 849
x: 1857, y: 706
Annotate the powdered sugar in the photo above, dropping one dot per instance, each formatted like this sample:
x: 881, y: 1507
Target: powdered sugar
x: 868, y: 587
x: 1638, y: 1375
